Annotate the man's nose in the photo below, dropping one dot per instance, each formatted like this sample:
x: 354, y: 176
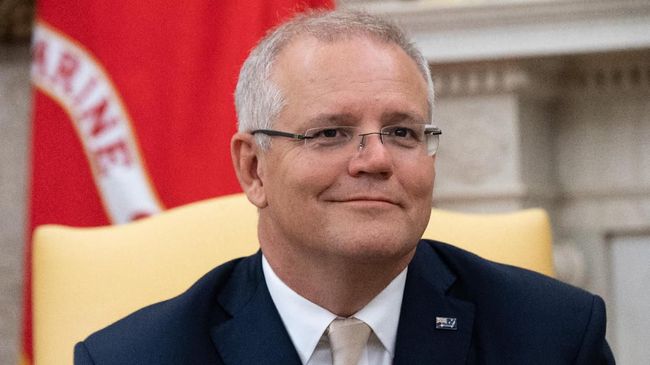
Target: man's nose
x: 371, y: 156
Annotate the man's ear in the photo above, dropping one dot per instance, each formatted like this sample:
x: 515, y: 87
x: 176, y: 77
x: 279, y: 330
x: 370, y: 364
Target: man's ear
x: 245, y: 157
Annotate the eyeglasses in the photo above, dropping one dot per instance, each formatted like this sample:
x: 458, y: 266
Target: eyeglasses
x: 411, y: 138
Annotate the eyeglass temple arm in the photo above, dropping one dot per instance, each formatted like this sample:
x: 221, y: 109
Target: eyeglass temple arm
x: 433, y: 131
x: 271, y: 132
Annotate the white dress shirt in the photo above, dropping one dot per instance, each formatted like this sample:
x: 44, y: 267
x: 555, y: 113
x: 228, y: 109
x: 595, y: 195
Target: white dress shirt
x: 306, y: 322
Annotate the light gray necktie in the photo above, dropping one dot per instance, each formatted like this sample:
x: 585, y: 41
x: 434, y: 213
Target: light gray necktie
x: 348, y: 337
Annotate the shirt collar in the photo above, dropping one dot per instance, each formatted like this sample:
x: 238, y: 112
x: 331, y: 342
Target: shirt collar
x: 306, y: 321
x: 382, y: 313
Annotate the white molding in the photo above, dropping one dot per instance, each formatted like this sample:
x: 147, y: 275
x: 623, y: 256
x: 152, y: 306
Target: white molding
x: 633, y: 194
x: 460, y: 195
x: 608, y: 73
x: 481, y: 78
x: 457, y: 32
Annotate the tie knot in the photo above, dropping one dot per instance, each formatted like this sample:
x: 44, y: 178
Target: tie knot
x: 348, y: 337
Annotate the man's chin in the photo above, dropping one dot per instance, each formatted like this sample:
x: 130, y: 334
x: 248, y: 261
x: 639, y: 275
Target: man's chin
x: 372, y: 214
x: 374, y: 245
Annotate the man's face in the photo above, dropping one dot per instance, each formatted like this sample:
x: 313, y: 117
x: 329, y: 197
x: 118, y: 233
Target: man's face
x: 368, y: 204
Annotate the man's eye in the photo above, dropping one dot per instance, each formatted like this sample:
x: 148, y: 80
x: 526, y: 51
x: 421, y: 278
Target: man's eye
x: 329, y: 136
x: 403, y: 132
x: 330, y: 133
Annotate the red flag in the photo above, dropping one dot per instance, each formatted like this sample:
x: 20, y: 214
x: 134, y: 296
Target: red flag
x: 133, y: 107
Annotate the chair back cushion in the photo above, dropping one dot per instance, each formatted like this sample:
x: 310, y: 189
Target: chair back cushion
x: 521, y: 238
x: 87, y: 278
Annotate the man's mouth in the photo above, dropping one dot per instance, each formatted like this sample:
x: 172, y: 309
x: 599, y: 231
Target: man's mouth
x: 366, y: 199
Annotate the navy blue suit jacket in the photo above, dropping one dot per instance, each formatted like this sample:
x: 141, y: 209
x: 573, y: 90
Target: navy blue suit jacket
x: 504, y: 315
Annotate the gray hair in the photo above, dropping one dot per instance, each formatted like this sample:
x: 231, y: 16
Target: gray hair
x: 258, y: 101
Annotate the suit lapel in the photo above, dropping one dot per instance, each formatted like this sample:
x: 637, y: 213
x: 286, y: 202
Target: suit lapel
x: 255, y: 334
x: 425, y: 298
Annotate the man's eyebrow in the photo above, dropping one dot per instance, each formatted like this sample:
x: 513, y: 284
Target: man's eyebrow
x: 339, y: 119
x: 402, y: 117
x: 327, y: 119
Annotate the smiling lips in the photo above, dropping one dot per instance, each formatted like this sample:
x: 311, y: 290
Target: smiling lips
x: 366, y: 199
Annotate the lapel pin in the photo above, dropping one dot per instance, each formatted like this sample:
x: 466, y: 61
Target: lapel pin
x: 446, y: 323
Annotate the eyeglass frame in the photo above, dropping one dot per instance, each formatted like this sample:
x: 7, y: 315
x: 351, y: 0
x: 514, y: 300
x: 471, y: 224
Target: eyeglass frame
x: 429, y: 129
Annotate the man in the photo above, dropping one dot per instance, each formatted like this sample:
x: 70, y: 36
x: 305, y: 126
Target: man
x: 336, y: 149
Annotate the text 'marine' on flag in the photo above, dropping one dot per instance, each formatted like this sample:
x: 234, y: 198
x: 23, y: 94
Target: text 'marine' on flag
x: 133, y: 107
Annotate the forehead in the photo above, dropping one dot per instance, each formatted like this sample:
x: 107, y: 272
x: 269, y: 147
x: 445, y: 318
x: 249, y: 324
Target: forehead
x: 351, y: 77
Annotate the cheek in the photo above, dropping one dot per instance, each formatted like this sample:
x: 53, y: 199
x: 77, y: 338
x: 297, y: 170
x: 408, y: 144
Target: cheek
x: 420, y: 189
x: 304, y: 179
x: 418, y: 179
x: 317, y: 174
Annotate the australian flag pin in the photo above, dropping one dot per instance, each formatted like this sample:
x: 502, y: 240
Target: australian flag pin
x: 446, y: 323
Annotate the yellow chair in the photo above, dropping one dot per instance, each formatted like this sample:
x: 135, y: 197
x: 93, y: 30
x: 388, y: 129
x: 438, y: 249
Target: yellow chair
x: 87, y: 278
